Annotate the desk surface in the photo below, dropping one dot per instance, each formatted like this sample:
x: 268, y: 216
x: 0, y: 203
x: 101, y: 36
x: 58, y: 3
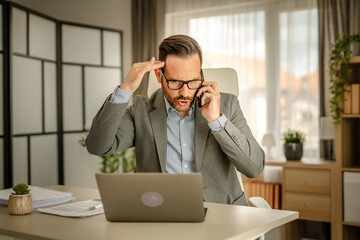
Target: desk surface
x: 222, y: 222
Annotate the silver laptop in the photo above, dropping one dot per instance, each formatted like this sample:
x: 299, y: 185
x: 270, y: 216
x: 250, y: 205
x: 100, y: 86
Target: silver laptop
x: 152, y: 197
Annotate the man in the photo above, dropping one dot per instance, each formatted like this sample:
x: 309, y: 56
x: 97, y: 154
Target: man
x: 169, y: 130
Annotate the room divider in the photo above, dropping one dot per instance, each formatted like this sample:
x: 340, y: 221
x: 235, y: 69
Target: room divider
x: 54, y: 77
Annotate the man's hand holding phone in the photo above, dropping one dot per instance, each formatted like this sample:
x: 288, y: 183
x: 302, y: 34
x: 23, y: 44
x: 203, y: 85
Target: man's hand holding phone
x: 210, y: 109
x: 137, y: 72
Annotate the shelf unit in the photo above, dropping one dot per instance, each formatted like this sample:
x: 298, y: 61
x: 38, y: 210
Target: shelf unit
x: 347, y: 160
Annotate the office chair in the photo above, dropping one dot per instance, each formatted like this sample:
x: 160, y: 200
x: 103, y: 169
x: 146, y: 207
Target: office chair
x: 227, y: 81
x: 261, y: 203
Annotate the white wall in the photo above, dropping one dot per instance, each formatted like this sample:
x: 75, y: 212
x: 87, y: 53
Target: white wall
x: 103, y: 13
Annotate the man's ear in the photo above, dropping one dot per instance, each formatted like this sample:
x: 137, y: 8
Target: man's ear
x: 158, y: 74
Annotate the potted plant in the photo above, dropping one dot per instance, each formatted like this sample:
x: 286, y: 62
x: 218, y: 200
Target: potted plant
x: 293, y: 144
x: 20, y: 202
x: 339, y: 72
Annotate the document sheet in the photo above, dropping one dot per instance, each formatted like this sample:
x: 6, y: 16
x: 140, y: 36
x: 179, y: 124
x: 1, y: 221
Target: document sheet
x: 76, y: 209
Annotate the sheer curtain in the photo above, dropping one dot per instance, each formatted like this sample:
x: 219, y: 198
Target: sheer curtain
x: 273, y: 46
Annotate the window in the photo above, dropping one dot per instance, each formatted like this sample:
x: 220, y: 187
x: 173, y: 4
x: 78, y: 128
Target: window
x: 274, y: 49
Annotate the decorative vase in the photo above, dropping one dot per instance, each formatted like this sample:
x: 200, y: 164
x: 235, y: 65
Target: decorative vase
x: 293, y: 151
x: 20, y: 204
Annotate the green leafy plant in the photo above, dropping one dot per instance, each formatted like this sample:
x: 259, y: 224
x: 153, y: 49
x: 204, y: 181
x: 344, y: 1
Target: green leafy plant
x: 111, y: 163
x: 20, y: 189
x: 339, y: 73
x: 293, y: 136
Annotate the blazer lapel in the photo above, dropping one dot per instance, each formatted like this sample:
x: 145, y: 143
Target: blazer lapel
x: 158, y: 118
x: 201, y: 132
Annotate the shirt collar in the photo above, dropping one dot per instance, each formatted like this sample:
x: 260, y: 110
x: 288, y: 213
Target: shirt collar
x: 170, y: 109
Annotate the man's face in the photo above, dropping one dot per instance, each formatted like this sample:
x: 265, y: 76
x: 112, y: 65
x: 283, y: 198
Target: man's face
x: 180, y: 68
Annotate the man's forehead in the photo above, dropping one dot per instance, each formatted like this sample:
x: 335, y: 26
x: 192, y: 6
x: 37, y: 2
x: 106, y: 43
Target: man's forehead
x: 184, y: 76
x: 182, y: 68
x: 178, y: 58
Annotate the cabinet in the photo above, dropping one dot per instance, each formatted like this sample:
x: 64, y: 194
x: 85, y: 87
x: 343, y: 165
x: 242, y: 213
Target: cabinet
x: 347, y: 160
x: 308, y: 187
x: 308, y: 191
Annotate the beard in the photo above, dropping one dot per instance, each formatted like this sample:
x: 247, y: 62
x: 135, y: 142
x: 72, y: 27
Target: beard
x: 174, y: 103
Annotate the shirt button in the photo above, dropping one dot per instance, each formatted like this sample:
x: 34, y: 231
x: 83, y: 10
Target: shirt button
x: 182, y: 121
x: 185, y: 166
x: 184, y: 144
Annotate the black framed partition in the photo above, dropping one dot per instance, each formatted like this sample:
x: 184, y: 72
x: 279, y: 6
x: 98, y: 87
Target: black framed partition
x: 55, y: 75
x: 2, y: 89
x: 89, y: 73
x: 33, y: 97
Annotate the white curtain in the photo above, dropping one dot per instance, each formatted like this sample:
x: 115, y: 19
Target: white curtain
x: 273, y: 46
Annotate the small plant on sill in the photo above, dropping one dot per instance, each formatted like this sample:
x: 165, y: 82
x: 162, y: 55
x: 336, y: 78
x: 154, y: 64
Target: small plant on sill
x: 293, y: 136
x: 293, y: 144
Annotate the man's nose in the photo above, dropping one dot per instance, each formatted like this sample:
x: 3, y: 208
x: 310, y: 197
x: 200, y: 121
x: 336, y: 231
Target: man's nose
x: 184, y: 90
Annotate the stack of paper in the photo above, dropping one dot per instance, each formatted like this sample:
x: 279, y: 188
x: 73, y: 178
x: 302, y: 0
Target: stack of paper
x: 78, y: 209
x: 41, y: 196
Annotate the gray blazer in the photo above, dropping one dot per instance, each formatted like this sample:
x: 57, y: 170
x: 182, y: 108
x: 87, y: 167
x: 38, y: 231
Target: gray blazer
x: 117, y: 127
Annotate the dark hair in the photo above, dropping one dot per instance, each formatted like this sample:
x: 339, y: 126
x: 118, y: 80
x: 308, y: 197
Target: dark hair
x: 179, y: 45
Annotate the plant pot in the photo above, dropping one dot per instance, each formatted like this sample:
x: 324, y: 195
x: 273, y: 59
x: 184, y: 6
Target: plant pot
x: 293, y: 151
x: 20, y: 204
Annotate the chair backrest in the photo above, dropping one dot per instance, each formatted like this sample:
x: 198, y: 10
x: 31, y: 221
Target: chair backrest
x: 226, y: 79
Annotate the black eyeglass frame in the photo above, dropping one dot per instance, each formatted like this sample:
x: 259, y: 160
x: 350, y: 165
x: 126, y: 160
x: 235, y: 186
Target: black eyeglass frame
x: 183, y: 82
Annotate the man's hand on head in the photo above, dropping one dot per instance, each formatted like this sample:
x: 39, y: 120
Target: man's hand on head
x: 137, y: 72
x: 211, y: 109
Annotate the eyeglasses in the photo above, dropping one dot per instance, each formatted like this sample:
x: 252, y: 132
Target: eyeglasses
x: 178, y: 84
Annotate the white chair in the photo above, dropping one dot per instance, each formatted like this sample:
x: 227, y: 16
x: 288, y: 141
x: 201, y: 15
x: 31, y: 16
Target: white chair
x: 261, y: 203
x: 227, y: 81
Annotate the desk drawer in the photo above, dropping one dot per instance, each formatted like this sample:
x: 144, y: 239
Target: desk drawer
x: 307, y: 180
x: 309, y: 205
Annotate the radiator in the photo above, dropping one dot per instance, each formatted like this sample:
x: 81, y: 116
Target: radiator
x: 271, y: 192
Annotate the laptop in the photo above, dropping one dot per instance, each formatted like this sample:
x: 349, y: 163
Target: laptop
x: 152, y: 197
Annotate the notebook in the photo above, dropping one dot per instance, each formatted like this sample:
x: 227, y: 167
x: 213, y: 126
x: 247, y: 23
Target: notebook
x: 152, y: 197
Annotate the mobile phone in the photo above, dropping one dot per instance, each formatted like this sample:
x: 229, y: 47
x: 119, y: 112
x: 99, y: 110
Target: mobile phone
x: 199, y: 99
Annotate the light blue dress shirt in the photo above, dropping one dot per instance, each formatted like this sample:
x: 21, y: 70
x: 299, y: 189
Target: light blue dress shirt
x: 180, y: 151
x: 180, y: 155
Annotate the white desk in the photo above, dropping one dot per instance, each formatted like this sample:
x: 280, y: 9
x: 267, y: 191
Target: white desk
x: 222, y: 222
